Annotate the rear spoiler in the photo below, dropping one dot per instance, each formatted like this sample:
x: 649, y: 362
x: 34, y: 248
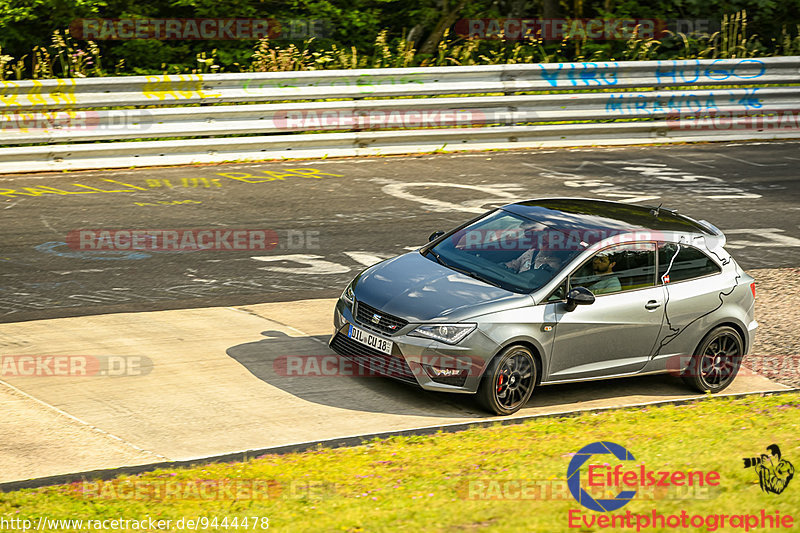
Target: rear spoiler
x: 718, y: 240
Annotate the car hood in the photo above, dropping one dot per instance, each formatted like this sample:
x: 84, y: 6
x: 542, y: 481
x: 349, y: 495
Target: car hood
x: 417, y: 289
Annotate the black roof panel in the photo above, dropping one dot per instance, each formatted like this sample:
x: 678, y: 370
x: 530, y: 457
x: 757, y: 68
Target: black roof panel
x: 579, y: 213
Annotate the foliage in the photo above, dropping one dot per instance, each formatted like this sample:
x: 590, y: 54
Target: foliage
x: 358, y: 39
x: 428, y: 482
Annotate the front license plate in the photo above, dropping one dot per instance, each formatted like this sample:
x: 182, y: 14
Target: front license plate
x: 368, y: 339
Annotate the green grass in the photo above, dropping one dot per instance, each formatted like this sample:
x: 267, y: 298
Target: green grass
x: 421, y: 483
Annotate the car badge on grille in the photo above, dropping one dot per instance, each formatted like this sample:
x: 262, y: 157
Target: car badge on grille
x: 376, y: 318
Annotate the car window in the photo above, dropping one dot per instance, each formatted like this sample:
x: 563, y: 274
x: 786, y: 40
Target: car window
x: 678, y: 262
x: 506, y: 250
x: 619, y: 268
x: 559, y: 294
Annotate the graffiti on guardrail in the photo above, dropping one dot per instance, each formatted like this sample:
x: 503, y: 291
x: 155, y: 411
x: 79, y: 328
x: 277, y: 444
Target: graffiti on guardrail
x: 177, y: 87
x: 682, y: 71
x: 672, y: 72
x: 35, y: 93
x: 655, y: 103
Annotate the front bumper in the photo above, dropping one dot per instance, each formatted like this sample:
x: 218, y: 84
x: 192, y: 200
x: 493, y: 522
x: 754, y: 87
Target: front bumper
x: 410, y: 355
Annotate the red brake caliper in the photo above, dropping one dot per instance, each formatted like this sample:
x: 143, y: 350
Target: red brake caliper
x: 500, y: 383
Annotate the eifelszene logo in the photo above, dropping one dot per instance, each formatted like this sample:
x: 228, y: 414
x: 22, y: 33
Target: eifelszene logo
x: 598, y: 488
x: 774, y: 472
x: 574, y: 477
x: 606, y: 478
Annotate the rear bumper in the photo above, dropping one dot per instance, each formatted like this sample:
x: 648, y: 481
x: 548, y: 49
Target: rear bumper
x: 751, y: 335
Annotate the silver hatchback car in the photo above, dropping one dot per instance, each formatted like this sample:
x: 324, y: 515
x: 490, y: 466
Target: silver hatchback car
x: 551, y: 291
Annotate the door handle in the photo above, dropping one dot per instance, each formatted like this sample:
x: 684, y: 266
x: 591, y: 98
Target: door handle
x: 652, y: 304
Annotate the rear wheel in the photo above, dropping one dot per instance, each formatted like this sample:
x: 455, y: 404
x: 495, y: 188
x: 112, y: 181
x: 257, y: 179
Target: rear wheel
x: 508, y: 381
x: 716, y: 360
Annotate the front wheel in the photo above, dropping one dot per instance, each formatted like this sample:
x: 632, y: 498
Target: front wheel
x: 716, y: 360
x: 508, y: 381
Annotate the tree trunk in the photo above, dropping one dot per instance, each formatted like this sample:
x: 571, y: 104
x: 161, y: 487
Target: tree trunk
x: 448, y: 19
x: 550, y: 9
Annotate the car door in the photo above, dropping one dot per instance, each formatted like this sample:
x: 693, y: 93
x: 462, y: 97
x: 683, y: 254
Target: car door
x: 617, y: 333
x: 695, y: 291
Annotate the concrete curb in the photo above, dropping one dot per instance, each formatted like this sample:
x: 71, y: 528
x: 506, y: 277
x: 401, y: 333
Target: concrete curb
x: 340, y: 442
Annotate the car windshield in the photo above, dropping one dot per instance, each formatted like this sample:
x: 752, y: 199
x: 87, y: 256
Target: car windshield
x: 506, y: 250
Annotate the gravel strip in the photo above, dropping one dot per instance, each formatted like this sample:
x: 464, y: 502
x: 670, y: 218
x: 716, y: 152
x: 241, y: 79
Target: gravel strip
x: 776, y: 352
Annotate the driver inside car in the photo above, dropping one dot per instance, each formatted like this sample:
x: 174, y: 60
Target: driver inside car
x: 544, y: 259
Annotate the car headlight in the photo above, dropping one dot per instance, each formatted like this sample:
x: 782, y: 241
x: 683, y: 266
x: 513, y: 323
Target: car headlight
x: 347, y: 295
x: 449, y: 333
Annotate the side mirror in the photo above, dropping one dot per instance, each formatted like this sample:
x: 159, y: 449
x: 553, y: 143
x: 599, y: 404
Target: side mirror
x: 435, y: 235
x: 579, y: 296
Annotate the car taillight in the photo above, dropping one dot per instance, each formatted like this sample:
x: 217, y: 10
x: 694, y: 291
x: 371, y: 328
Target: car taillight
x: 753, y: 288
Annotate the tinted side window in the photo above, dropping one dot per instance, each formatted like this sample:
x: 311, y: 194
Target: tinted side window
x: 681, y: 262
x: 623, y: 267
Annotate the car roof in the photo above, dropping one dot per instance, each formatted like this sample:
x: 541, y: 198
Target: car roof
x: 587, y: 214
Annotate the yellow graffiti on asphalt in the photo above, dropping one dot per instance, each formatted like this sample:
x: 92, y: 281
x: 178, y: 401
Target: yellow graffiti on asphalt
x: 263, y: 176
x: 193, y: 183
x: 161, y: 203
x: 304, y: 172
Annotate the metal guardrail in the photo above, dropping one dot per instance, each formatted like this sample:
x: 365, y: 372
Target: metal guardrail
x: 55, y: 124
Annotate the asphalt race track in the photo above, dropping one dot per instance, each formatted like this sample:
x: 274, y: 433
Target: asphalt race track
x: 200, y: 334
x: 334, y: 217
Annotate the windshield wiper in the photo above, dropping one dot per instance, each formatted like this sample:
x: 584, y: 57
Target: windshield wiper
x: 462, y: 270
x: 479, y: 278
x: 437, y: 257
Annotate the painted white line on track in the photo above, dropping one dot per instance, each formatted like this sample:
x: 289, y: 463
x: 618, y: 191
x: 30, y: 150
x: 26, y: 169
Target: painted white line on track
x: 81, y: 422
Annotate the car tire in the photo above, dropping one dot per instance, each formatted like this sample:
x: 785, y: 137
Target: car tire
x: 508, y: 381
x: 716, y: 360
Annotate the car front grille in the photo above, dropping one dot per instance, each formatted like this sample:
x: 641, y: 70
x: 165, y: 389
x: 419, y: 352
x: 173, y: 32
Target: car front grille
x: 388, y: 324
x: 372, y: 360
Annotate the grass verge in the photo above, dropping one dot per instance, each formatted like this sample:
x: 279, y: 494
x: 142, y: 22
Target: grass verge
x: 499, y: 478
